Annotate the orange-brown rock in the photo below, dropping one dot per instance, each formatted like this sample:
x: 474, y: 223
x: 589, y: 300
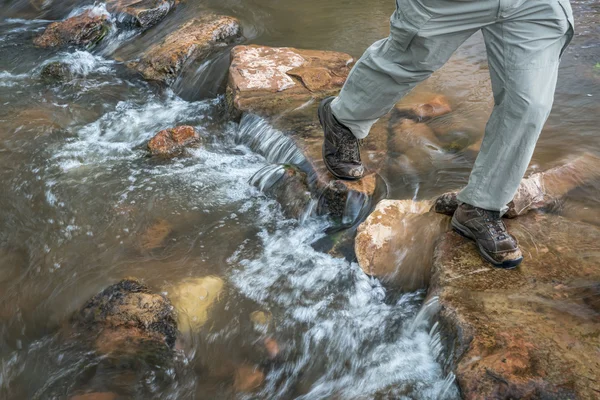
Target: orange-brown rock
x: 269, y: 80
x: 155, y: 235
x: 423, y: 105
x: 85, y: 29
x: 195, y: 40
x: 248, y: 378
x: 95, y: 396
x: 144, y: 13
x: 407, y: 135
x: 172, y: 142
x: 530, y: 333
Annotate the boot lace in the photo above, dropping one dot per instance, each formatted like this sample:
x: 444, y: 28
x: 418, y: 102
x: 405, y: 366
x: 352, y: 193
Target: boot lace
x: 349, y: 149
x: 495, y: 224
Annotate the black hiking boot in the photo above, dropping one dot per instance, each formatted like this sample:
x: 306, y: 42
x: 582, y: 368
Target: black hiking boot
x: 488, y: 231
x: 341, y: 149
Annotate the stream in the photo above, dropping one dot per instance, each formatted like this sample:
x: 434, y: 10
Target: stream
x: 80, y: 195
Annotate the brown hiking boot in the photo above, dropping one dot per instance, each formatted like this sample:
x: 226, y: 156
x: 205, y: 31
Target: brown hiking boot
x: 488, y: 231
x: 341, y: 149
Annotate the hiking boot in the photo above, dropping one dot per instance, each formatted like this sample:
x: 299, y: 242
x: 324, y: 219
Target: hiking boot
x: 341, y: 149
x: 488, y: 231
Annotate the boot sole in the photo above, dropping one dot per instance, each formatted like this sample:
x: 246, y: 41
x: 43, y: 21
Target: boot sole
x: 466, y: 232
x: 337, y: 176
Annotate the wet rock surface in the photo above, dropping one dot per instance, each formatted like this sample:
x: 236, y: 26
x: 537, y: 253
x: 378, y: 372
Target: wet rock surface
x: 386, y: 242
x: 128, y: 317
x: 173, y: 142
x: 84, y: 30
x: 144, y: 13
x: 268, y: 80
x: 194, y: 41
x: 530, y: 333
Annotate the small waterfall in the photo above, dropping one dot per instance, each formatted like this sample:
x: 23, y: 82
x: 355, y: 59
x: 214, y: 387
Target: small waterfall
x: 256, y: 133
x: 268, y: 176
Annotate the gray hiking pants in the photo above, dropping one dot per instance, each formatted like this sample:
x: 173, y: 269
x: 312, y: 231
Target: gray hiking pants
x: 524, y: 39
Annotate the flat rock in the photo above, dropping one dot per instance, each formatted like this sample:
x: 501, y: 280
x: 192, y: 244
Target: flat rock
x: 85, y: 29
x: 265, y: 80
x: 144, y: 13
x: 530, y: 333
x: 172, y: 142
x: 195, y: 40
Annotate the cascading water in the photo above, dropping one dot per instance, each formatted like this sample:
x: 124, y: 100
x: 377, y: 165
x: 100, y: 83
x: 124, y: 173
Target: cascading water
x: 82, y: 200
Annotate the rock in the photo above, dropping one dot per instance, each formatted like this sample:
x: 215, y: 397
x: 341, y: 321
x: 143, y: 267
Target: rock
x: 519, y: 334
x: 266, y: 80
x: 95, y: 396
x: 172, y: 142
x: 85, y: 29
x: 291, y: 190
x: 127, y: 317
x: 144, y: 13
x: 272, y: 348
x: 396, y: 242
x: 248, y: 378
x: 260, y: 318
x: 193, y: 299
x: 423, y: 105
x: 56, y: 71
x: 343, y: 200
x: 407, y: 134
x: 540, y: 190
x: 155, y: 235
x: 195, y: 40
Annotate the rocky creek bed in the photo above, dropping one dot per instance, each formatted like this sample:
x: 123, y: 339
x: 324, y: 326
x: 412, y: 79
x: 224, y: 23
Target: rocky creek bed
x: 171, y: 231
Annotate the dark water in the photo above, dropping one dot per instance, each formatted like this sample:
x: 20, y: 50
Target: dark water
x: 79, y: 196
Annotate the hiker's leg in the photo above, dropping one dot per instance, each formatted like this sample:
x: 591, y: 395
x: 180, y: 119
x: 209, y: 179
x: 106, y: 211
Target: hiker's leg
x: 423, y: 36
x: 524, y: 49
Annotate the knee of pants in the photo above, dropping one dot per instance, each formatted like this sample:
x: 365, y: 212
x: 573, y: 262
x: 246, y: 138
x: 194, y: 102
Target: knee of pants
x: 532, y: 111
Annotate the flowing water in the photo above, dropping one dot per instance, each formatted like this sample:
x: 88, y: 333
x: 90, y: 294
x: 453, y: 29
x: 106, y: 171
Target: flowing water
x: 79, y: 195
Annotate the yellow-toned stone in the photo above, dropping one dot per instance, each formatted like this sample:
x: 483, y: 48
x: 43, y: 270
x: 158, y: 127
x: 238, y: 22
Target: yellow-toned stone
x: 193, y: 299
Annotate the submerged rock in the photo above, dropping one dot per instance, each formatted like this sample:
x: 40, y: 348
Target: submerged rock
x: 524, y: 333
x: 423, y: 105
x: 56, y: 71
x: 127, y: 317
x: 540, y: 190
x: 172, y: 142
x: 396, y: 242
x: 248, y: 378
x: 144, y: 13
x: 195, y: 40
x: 267, y: 80
x: 193, y: 299
x: 155, y: 235
x: 288, y: 185
x: 85, y: 29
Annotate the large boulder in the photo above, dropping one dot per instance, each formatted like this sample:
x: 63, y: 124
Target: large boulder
x: 268, y: 80
x: 173, y: 142
x: 85, y: 29
x: 530, y: 333
x: 144, y: 13
x: 128, y: 317
x: 396, y: 242
x: 195, y: 40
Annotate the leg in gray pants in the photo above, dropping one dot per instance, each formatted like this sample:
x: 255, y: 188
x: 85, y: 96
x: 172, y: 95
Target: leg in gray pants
x: 524, y: 41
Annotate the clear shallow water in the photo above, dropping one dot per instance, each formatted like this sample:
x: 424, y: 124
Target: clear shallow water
x: 79, y: 195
